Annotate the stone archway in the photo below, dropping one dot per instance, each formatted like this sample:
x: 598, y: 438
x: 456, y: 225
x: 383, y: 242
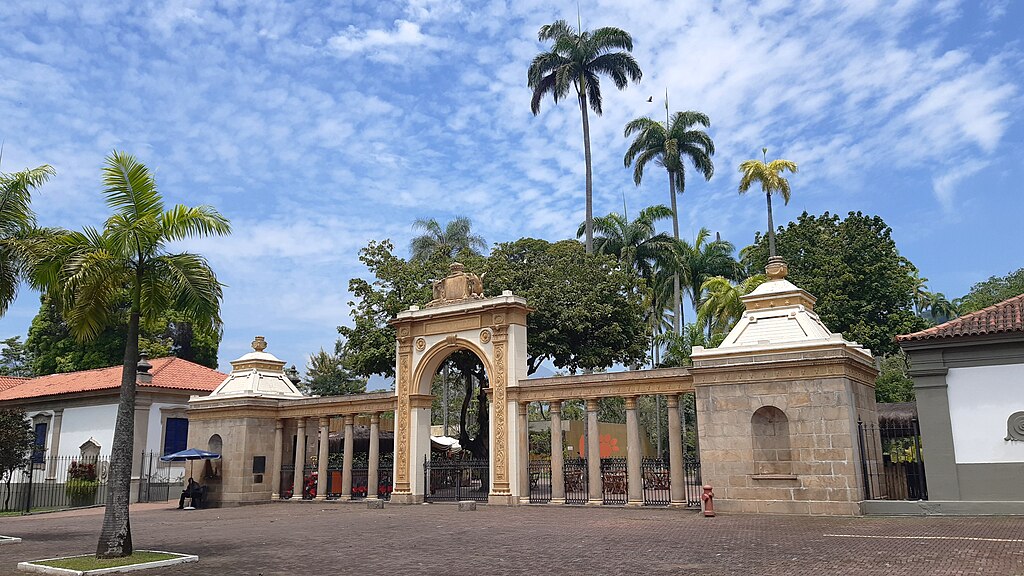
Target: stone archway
x: 459, y: 317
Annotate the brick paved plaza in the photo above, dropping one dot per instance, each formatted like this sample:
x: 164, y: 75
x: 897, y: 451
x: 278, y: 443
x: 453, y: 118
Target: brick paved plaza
x: 312, y: 539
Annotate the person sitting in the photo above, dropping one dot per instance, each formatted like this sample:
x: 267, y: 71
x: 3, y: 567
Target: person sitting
x: 193, y: 491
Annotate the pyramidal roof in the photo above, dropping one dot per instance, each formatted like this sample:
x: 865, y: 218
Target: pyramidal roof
x: 257, y: 373
x: 779, y: 315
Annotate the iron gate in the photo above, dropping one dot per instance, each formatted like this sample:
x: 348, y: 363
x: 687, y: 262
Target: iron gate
x: 453, y: 480
x: 574, y: 472
x: 891, y: 460
x: 540, y: 481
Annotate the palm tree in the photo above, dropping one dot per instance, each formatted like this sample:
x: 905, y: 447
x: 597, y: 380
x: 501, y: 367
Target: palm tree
x: 940, y: 307
x: 703, y: 259
x: 17, y: 228
x: 454, y: 238
x: 635, y: 244
x: 769, y: 174
x: 669, y: 144
x: 91, y: 271
x: 921, y: 293
x: 723, y: 304
x: 576, y: 60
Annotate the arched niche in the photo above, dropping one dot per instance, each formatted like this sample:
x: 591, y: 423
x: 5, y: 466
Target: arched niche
x: 769, y: 431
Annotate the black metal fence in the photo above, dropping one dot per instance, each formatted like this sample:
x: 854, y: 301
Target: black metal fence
x: 692, y: 482
x: 574, y: 472
x: 614, y: 482
x: 892, y: 462
x: 655, y: 474
x: 54, y: 483
x: 163, y: 481
x: 540, y: 481
x: 453, y: 480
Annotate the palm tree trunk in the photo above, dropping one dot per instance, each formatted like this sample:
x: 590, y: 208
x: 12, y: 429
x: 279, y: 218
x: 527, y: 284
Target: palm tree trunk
x: 771, y: 227
x: 116, y: 535
x: 677, y: 297
x: 590, y: 173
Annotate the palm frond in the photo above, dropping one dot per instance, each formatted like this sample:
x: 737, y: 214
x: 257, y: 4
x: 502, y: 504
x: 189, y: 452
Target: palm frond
x: 130, y: 187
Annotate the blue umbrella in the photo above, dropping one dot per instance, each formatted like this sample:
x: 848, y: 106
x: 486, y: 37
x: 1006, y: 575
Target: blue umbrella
x: 190, y: 454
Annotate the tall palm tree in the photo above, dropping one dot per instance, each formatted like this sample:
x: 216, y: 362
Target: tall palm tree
x: 669, y: 145
x: 91, y: 271
x: 635, y: 244
x: 455, y: 237
x: 769, y: 174
x: 17, y: 228
x: 723, y: 305
x: 940, y: 307
x: 576, y: 61
x: 702, y: 259
x: 921, y: 293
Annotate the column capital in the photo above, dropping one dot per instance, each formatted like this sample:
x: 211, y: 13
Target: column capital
x: 279, y: 424
x: 524, y: 408
x: 58, y: 412
x: 349, y: 419
x: 630, y: 402
x: 325, y: 421
x: 673, y: 400
x: 301, y: 422
x: 555, y: 406
x: 375, y: 418
x: 592, y: 404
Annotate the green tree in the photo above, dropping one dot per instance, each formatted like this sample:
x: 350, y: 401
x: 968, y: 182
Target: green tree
x: 17, y: 228
x: 456, y: 237
x: 864, y: 288
x: 16, y: 443
x: 670, y: 145
x: 53, y: 348
x: 893, y: 384
x: 14, y: 359
x: 723, y: 306
x: 992, y: 291
x: 636, y: 245
x: 939, y: 307
x: 921, y: 294
x: 769, y: 174
x: 92, y: 269
x: 576, y: 61
x: 703, y: 259
x: 326, y: 375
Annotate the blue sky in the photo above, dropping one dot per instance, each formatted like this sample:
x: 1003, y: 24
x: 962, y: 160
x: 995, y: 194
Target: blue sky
x: 318, y: 127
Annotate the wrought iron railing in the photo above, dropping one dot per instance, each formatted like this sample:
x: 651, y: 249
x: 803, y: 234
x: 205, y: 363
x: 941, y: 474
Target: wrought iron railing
x: 56, y: 482
x: 540, y: 481
x: 574, y: 472
x: 692, y: 481
x: 453, y: 480
x: 614, y: 481
x: 891, y: 460
x: 655, y: 474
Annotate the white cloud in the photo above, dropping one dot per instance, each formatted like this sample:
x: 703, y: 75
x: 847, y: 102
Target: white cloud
x: 392, y: 46
x: 946, y: 185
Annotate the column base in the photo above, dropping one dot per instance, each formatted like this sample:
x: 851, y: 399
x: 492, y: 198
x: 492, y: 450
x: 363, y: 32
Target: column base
x: 502, y: 499
x: 275, y: 497
x: 558, y: 501
x: 320, y: 497
x: 397, y: 498
x: 675, y: 504
x: 635, y: 504
x: 522, y: 500
x: 345, y: 498
x: 593, y: 502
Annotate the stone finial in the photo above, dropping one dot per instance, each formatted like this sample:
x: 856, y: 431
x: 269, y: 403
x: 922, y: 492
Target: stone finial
x: 142, y: 369
x: 456, y: 268
x: 259, y: 344
x: 776, y: 268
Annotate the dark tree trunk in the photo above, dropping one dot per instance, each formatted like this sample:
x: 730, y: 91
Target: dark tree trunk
x: 771, y: 227
x: 677, y: 295
x: 116, y: 536
x: 590, y: 171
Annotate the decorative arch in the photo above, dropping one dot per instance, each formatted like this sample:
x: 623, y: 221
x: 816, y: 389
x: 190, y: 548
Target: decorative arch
x: 459, y: 317
x: 769, y: 432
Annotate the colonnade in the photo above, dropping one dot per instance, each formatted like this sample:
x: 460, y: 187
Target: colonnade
x: 323, y: 455
x: 634, y: 478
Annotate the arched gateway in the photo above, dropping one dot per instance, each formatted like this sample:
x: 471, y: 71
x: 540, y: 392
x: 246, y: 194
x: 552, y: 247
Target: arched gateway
x: 779, y: 408
x: 458, y: 318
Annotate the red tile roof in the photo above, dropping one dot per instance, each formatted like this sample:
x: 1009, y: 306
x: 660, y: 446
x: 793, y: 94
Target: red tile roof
x: 1007, y: 316
x: 173, y: 373
x: 11, y: 381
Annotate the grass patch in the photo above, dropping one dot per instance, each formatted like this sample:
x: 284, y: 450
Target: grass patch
x: 90, y: 562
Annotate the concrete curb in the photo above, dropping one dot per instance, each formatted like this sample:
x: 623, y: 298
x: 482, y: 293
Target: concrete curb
x: 31, y: 566
x: 9, y: 540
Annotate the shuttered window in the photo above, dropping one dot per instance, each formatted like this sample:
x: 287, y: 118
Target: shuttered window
x: 176, y: 435
x: 39, y: 449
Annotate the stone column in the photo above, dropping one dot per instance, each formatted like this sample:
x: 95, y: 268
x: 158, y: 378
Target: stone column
x: 300, y: 458
x: 675, y: 453
x: 593, y: 455
x: 346, y: 467
x: 557, y: 479
x: 634, y: 479
x: 141, y: 437
x: 523, y: 441
x: 55, y: 423
x: 275, y: 465
x: 372, y: 477
x: 321, y: 460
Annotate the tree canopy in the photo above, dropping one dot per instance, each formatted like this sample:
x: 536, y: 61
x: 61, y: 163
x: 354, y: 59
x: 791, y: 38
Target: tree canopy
x: 326, y: 375
x: 865, y: 289
x: 17, y: 228
x: 992, y: 291
x: 16, y: 440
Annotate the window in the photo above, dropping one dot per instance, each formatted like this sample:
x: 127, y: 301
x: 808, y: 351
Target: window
x: 39, y: 449
x: 176, y: 435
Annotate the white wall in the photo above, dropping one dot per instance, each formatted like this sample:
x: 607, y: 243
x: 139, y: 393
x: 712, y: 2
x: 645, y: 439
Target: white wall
x: 80, y: 424
x: 154, y: 439
x: 981, y: 398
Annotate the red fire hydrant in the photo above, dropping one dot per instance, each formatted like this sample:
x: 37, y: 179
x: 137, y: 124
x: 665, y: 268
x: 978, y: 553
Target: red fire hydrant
x: 709, y: 501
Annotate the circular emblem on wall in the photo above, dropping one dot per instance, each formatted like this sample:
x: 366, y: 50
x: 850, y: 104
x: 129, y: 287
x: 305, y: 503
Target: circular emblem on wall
x: 420, y: 344
x: 485, y: 336
x: 1015, y: 427
x: 403, y: 331
x: 499, y: 319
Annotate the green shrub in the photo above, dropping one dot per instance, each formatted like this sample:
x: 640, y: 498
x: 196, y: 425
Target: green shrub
x: 81, y: 488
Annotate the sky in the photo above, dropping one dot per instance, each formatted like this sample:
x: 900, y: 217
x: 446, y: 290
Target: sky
x: 317, y: 127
